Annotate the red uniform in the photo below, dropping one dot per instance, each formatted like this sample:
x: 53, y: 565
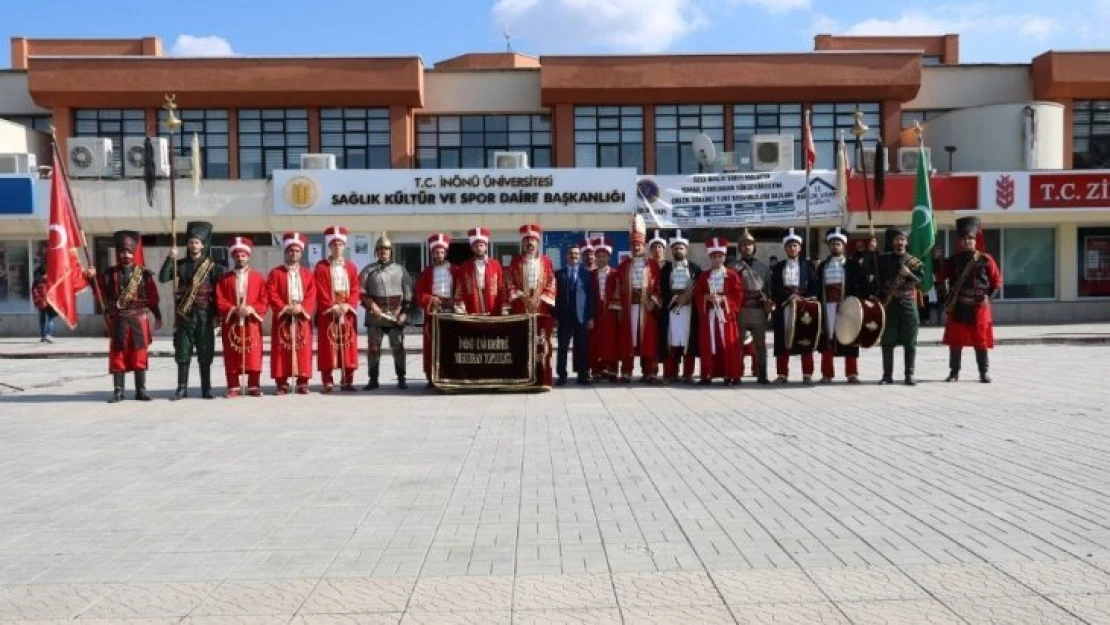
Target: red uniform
x: 603, y: 338
x: 535, y: 298
x: 330, y: 291
x: 635, y: 306
x: 129, y: 304
x: 242, y: 345
x: 282, y: 346
x: 475, y: 297
x: 971, y: 323
x: 719, y: 338
x: 432, y: 297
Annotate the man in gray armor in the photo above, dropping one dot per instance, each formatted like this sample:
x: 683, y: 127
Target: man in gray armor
x: 756, y: 276
x: 386, y: 295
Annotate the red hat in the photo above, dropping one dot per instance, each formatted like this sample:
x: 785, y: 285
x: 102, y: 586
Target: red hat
x: 531, y: 231
x: 335, y: 233
x: 717, y: 245
x: 290, y: 239
x: 240, y: 244
x: 478, y: 234
x: 639, y: 230
x: 602, y: 244
x: 439, y: 239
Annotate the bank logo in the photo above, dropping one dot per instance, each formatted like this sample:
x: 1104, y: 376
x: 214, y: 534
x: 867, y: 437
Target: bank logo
x: 301, y: 192
x: 1004, y: 189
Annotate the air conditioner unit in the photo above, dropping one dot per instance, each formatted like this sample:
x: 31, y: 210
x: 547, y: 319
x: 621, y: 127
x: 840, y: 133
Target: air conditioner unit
x: 907, y: 159
x: 869, y: 161
x: 90, y: 157
x: 18, y: 164
x: 730, y: 161
x: 772, y: 152
x: 510, y: 160
x: 134, y: 149
x: 317, y: 161
x: 182, y: 166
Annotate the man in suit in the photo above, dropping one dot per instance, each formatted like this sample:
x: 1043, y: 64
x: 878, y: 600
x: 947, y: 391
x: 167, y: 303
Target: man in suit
x: 574, y: 315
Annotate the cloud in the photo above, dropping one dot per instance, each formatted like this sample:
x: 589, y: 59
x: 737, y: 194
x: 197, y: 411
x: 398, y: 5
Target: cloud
x: 627, y: 25
x: 779, y: 6
x: 974, y: 19
x: 211, y: 45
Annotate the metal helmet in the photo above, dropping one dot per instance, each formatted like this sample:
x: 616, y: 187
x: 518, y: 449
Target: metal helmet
x: 383, y: 242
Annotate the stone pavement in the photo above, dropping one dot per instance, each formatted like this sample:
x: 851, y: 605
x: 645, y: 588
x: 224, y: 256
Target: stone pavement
x: 965, y: 503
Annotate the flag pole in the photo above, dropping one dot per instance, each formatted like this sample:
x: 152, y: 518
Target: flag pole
x: 859, y: 129
x: 809, y: 251
x: 73, y: 215
x: 172, y: 123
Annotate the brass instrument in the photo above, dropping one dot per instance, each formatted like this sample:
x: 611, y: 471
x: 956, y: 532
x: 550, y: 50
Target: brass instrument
x: 912, y: 263
x: 186, y: 305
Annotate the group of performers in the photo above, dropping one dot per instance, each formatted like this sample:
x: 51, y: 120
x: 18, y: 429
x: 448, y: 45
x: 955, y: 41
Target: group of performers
x: 672, y: 312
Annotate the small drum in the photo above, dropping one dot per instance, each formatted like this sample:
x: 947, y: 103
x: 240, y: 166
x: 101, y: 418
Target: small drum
x: 860, y: 322
x: 802, y: 320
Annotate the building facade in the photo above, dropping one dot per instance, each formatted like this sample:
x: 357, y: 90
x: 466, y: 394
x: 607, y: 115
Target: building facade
x: 1027, y: 146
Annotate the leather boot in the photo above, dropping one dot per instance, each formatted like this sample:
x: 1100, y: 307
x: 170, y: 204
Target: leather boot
x: 373, y: 383
x: 140, y: 386
x: 910, y: 354
x: 400, y: 369
x: 182, y: 383
x: 982, y: 358
x: 761, y: 365
x: 117, y: 388
x: 955, y: 357
x: 206, y: 381
x: 888, y: 366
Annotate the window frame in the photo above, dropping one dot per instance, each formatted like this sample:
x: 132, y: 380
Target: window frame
x: 182, y: 140
x: 439, y: 133
x: 842, y: 120
x: 349, y: 118
x: 269, y: 116
x: 664, y: 112
x: 948, y: 237
x: 628, y: 118
x: 131, y: 115
x: 740, y: 111
x: 1084, y: 130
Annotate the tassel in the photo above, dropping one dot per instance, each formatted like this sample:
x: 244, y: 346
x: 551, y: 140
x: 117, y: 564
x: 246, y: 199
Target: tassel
x: 195, y: 157
x: 148, y: 170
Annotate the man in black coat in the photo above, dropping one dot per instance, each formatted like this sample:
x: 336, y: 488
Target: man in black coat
x: 791, y: 277
x: 838, y: 278
x: 679, y: 321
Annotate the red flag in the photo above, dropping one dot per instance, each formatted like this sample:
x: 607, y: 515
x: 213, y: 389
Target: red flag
x: 64, y: 275
x: 811, y: 149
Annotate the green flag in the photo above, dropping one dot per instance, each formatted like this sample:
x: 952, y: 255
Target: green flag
x: 923, y: 230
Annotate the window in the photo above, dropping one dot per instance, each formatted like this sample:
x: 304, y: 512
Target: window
x: 1025, y: 256
x: 765, y: 119
x: 909, y: 117
x: 271, y: 139
x: 1091, y: 134
x: 210, y: 126
x: 609, y: 136
x: 15, y: 277
x: 359, y: 138
x: 114, y: 124
x: 930, y: 60
x: 676, y: 127
x: 469, y: 141
x: 828, y: 120
x: 40, y: 123
x: 1094, y: 262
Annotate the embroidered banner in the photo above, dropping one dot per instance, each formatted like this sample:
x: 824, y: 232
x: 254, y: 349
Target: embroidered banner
x: 484, y: 353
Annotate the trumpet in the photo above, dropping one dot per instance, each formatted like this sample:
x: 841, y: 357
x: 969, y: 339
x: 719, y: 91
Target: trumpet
x: 912, y: 263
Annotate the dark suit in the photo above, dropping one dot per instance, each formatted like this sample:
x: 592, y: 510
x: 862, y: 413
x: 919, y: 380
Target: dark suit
x: 574, y: 307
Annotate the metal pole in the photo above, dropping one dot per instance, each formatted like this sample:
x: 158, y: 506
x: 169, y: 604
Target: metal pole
x: 809, y: 252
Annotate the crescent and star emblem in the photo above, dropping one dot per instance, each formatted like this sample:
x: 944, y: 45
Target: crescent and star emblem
x: 63, y: 238
x: 925, y: 210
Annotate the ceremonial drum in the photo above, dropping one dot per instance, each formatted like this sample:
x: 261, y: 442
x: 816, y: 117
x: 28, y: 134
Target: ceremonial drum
x: 860, y: 322
x: 802, y: 320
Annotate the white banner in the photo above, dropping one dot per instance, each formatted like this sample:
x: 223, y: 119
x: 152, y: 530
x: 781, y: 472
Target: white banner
x: 440, y: 191
x: 737, y: 199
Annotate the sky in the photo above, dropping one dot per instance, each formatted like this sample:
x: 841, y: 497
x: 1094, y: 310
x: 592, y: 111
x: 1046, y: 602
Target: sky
x: 991, y: 31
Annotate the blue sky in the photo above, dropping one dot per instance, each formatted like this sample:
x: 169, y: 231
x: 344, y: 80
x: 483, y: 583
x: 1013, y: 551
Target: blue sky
x: 990, y: 30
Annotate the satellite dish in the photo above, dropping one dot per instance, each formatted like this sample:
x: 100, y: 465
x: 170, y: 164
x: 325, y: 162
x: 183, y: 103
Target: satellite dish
x: 704, y: 149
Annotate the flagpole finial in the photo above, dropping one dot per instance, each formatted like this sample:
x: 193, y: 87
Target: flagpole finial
x: 171, y: 121
x: 859, y: 129
x: 919, y: 131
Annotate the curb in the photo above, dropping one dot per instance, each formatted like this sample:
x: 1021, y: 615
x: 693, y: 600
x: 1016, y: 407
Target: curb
x: 1087, y: 340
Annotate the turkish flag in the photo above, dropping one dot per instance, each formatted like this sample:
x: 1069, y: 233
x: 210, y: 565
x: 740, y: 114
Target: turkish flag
x: 811, y: 149
x: 64, y: 274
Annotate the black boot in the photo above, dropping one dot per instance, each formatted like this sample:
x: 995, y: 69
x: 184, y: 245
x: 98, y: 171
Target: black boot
x: 955, y: 357
x: 373, y: 383
x: 117, y: 388
x: 761, y: 363
x: 140, y: 386
x: 401, y: 384
x: 206, y: 381
x: 182, y: 383
x: 888, y: 366
x: 983, y: 360
x: 910, y: 354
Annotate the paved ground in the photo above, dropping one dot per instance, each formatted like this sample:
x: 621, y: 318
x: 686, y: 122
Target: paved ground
x: 942, y: 503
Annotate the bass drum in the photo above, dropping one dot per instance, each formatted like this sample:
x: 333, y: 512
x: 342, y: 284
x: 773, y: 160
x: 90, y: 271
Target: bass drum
x: 802, y: 320
x: 860, y: 322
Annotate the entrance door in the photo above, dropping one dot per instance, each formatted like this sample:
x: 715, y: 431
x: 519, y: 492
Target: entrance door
x: 459, y: 252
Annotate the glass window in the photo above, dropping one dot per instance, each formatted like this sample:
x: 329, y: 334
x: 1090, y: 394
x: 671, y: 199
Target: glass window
x: 620, y: 142
x: 1094, y: 262
x: 211, y: 129
x: 1091, y: 134
x: 359, y: 138
x: 15, y: 277
x: 924, y: 115
x: 676, y: 127
x: 40, y: 123
x: 1028, y: 263
x: 765, y: 119
x: 114, y: 124
x: 469, y: 141
x: 931, y: 60
x: 830, y: 119
x: 271, y: 139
